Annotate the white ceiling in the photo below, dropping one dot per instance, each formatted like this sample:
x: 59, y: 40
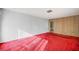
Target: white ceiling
x: 41, y: 12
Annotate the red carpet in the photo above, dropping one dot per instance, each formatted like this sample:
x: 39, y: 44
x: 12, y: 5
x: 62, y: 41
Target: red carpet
x: 43, y: 42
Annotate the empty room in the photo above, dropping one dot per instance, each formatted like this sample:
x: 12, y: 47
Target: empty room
x: 39, y: 29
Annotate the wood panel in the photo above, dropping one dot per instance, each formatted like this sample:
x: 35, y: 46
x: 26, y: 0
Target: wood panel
x: 66, y: 25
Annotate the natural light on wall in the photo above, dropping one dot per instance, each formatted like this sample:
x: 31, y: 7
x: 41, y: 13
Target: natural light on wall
x: 23, y: 34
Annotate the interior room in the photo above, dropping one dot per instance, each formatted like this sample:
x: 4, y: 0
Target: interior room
x: 39, y: 29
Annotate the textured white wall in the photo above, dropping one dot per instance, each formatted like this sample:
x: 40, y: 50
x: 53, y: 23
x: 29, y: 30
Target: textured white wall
x: 12, y: 22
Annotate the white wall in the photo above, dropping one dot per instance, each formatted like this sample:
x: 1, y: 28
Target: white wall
x: 1, y: 13
x: 12, y: 22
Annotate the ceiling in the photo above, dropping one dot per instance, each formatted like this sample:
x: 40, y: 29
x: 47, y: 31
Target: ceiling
x: 41, y: 12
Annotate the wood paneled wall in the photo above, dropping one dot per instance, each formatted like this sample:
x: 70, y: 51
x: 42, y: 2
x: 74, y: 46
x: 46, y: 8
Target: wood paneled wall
x: 66, y: 25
